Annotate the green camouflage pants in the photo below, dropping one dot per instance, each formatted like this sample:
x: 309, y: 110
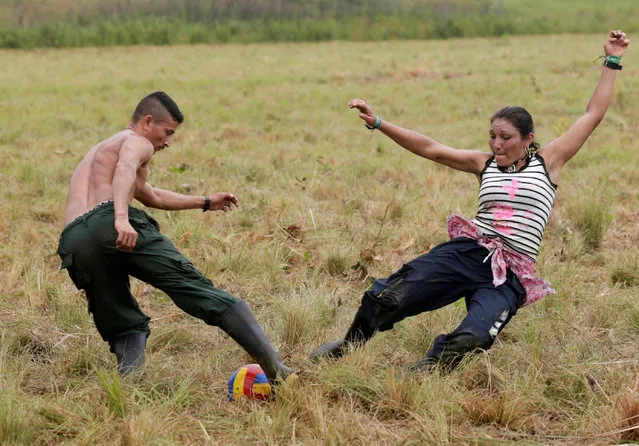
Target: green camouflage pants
x: 88, y: 253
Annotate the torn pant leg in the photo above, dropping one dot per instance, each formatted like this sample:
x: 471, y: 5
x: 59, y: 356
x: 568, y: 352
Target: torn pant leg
x: 433, y: 280
x: 424, y: 284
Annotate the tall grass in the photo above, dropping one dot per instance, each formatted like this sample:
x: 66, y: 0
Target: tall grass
x: 591, y: 217
x: 625, y: 270
x: 16, y: 426
x: 30, y: 24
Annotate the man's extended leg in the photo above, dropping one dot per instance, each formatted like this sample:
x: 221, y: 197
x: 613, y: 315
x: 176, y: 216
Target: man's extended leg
x: 156, y: 261
x: 240, y: 324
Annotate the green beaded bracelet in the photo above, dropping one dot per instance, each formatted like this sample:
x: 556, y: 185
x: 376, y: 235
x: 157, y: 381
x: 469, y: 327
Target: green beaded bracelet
x: 614, y: 59
x: 378, y: 122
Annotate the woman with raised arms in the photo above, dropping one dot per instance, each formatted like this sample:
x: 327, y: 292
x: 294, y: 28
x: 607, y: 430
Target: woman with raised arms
x: 489, y: 260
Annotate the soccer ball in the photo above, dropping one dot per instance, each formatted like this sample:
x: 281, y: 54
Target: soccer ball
x: 249, y: 381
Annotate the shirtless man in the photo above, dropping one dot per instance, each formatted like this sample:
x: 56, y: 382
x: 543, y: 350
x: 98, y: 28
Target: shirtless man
x: 105, y: 240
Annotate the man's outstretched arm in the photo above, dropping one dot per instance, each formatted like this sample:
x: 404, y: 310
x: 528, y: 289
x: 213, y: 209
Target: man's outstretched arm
x: 154, y: 197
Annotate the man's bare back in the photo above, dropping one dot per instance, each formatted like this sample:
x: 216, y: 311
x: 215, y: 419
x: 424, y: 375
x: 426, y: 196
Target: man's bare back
x: 92, y: 181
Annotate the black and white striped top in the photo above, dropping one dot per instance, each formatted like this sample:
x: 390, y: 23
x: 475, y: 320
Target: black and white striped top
x: 516, y: 206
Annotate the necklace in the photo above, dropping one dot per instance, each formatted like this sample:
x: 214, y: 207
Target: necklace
x: 513, y: 167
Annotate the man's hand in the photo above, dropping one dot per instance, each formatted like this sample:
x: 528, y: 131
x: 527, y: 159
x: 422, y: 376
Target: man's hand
x: 616, y: 44
x: 126, y: 235
x: 223, y: 201
x: 366, y: 112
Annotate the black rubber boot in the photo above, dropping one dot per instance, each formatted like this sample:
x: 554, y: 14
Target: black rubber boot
x: 359, y: 332
x: 449, y: 350
x: 426, y: 364
x: 240, y: 324
x: 446, y: 363
x: 333, y: 349
x: 129, y: 351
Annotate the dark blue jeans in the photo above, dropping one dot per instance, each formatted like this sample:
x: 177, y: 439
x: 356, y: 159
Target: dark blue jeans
x: 450, y: 271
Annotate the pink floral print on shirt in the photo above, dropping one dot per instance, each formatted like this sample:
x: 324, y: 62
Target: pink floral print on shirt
x: 511, y: 188
x: 502, y: 258
x: 503, y: 214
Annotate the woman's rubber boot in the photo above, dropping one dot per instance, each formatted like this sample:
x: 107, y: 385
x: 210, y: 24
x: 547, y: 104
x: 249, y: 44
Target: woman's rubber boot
x: 359, y: 332
x: 240, y: 324
x: 426, y: 364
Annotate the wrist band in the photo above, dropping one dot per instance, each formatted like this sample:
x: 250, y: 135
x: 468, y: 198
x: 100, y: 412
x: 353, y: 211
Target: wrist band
x: 378, y: 122
x: 613, y: 62
x: 614, y: 59
x: 207, y: 204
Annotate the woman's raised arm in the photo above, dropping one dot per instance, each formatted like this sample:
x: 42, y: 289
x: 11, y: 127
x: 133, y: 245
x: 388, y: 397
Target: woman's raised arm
x: 562, y: 149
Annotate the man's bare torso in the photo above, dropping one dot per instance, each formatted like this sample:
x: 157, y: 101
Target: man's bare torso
x: 92, y: 181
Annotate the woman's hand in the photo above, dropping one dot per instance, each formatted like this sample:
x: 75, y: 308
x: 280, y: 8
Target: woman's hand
x: 616, y: 44
x: 365, y: 111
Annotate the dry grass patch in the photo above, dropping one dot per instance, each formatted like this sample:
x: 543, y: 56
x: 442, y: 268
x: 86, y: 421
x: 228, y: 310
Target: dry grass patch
x: 500, y: 410
x: 625, y: 270
x: 591, y: 217
x: 628, y: 418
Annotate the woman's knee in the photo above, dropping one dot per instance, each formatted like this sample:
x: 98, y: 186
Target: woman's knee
x: 450, y: 349
x: 380, y: 312
x: 469, y: 340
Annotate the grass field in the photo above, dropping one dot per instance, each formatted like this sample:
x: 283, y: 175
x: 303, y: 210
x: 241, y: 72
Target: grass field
x: 270, y: 123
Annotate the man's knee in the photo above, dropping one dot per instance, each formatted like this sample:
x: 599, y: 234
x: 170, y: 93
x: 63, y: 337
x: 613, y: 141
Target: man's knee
x: 212, y: 305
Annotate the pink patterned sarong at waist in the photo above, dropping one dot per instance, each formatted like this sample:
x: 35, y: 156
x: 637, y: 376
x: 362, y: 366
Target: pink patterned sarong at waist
x: 501, y: 258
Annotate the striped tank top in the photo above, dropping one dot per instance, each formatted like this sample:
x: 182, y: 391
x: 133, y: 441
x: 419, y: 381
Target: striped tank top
x: 516, y: 206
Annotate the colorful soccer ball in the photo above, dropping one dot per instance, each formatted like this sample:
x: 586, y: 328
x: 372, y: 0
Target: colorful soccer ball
x: 249, y: 381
